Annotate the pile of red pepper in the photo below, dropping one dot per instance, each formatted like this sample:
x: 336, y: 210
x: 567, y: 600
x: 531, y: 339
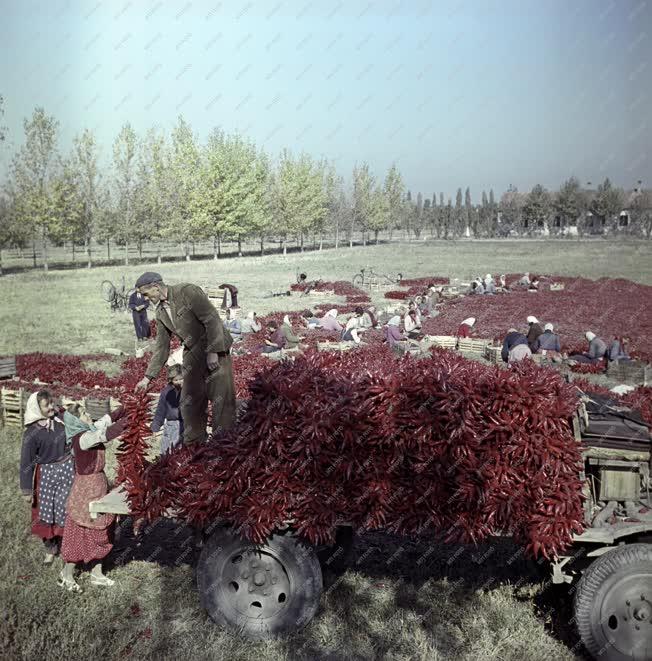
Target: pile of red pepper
x: 609, y: 308
x: 443, y: 445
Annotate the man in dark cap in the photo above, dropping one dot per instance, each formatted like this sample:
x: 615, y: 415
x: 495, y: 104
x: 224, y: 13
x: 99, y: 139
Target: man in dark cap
x: 185, y: 311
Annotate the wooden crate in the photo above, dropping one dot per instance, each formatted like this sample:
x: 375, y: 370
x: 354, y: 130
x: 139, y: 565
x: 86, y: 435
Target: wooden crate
x: 557, y: 287
x: 472, y: 345
x: 236, y: 312
x: 443, y: 341
x: 214, y: 292
x: 492, y: 354
x: 335, y: 346
x: 13, y: 407
x: 633, y: 372
x: 323, y: 293
x: 7, y: 367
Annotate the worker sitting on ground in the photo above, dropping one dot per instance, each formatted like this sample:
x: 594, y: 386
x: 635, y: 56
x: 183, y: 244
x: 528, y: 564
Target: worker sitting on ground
x: 502, y: 284
x: 515, y: 347
x: 309, y: 320
x: 292, y: 340
x: 368, y: 319
x: 548, y: 344
x: 250, y: 324
x: 596, y: 352
x: 534, y: 331
x: 476, y: 288
x: 489, y: 284
x: 466, y: 328
x: 412, y: 324
x: 393, y: 335
x: 618, y: 350
x: 234, y: 325
x: 275, y: 340
x: 534, y: 284
x: 524, y: 282
x: 353, y: 328
x: 329, y: 321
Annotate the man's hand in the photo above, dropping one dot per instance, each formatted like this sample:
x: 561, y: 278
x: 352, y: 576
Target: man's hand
x: 212, y: 361
x: 27, y: 497
x: 142, y: 384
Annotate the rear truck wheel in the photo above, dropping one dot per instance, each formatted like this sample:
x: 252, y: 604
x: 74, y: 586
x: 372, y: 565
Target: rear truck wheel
x: 261, y: 591
x: 613, y: 604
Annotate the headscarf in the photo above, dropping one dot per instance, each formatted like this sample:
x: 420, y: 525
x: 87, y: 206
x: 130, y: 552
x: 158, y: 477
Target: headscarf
x: 469, y: 322
x: 532, y: 320
x: 394, y: 321
x: 250, y: 315
x: 488, y: 277
x: 286, y: 320
x: 331, y: 313
x: 549, y: 327
x: 33, y: 411
x: 75, y: 426
x: 589, y: 336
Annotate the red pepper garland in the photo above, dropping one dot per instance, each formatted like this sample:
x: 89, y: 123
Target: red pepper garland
x: 444, y: 445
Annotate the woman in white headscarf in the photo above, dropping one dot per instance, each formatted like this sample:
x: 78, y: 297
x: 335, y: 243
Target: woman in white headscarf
x: 534, y: 332
x: 47, y: 470
x: 292, y: 340
x: 251, y: 324
x: 596, y: 352
x: 489, y: 284
x: 466, y: 328
x: 393, y: 333
x: 329, y: 321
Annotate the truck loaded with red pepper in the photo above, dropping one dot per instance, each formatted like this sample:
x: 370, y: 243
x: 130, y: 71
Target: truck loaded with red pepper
x: 453, y: 450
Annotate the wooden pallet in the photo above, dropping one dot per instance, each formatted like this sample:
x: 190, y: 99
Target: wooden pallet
x: 8, y: 367
x: 13, y: 407
x: 214, y: 292
x: 237, y: 312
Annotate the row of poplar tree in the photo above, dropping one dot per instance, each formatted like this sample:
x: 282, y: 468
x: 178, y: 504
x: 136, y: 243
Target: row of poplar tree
x: 174, y: 189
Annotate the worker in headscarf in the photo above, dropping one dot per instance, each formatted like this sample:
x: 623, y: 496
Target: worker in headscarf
x: 548, y: 341
x: 412, y: 324
x: 534, y: 331
x: 251, y: 324
x: 515, y: 347
x: 233, y: 324
x: 502, y: 286
x: 596, y: 352
x: 393, y: 333
x: 309, y: 320
x: 489, y: 284
x: 524, y: 282
x: 292, y: 340
x: 368, y: 319
x: 466, y: 328
x: 329, y: 321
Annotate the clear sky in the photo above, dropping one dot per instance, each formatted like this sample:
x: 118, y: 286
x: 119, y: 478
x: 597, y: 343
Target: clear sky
x: 463, y: 93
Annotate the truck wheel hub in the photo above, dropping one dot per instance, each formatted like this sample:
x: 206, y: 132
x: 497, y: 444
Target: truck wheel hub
x: 257, y: 583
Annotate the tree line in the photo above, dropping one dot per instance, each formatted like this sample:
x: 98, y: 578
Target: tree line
x: 173, y: 188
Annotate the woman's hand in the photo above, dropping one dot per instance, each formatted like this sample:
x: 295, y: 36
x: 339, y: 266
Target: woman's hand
x: 27, y: 497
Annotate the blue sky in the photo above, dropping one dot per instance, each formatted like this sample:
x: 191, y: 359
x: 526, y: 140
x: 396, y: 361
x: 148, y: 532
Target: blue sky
x: 479, y: 94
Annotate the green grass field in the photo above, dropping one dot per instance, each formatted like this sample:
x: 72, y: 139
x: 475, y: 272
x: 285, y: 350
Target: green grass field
x: 399, y: 599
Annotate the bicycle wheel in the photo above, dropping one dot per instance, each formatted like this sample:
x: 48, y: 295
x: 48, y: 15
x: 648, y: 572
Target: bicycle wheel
x: 108, y: 291
x: 358, y: 280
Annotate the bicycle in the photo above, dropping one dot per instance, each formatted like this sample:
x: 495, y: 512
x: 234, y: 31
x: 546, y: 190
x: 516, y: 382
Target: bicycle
x: 366, y: 276
x: 118, y: 298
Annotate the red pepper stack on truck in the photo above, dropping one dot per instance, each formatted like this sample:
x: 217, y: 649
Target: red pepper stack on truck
x: 261, y: 576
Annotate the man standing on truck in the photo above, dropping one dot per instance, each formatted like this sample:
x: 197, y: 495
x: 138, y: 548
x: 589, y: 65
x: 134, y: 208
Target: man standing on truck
x: 185, y: 311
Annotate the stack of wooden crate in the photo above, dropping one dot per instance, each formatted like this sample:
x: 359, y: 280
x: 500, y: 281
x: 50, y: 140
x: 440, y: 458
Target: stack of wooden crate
x: 13, y: 406
x: 492, y: 354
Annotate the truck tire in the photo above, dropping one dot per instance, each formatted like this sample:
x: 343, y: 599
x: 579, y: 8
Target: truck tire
x: 613, y: 604
x: 261, y: 591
